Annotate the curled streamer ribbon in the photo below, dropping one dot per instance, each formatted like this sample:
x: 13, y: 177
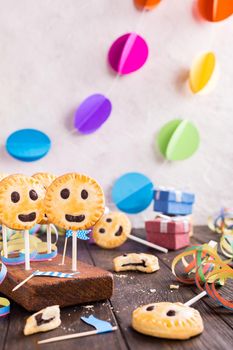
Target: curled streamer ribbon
x: 5, y: 303
x: 222, y: 223
x: 206, y: 269
x: 38, y: 249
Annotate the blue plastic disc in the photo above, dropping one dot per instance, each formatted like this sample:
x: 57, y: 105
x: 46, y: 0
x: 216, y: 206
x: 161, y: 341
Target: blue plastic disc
x: 28, y: 144
x: 132, y: 192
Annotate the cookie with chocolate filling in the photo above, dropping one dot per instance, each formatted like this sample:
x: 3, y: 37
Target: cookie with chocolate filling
x: 43, y: 321
x: 21, y: 202
x: 111, y: 230
x: 74, y: 202
x: 45, y: 179
x: 167, y: 320
x: 136, y: 261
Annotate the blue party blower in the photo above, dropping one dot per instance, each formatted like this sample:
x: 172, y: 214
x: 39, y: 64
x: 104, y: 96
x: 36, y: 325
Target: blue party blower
x: 172, y: 202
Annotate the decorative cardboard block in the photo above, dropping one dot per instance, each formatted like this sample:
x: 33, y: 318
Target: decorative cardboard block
x: 173, y: 202
x: 91, y: 284
x: 172, y: 234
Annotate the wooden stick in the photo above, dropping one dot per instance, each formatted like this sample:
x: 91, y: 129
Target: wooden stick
x: 71, y: 336
x: 49, y: 244
x: 149, y: 244
x: 4, y: 241
x: 27, y: 249
x: 64, y: 252
x: 195, y: 299
x: 24, y: 281
x: 74, y: 251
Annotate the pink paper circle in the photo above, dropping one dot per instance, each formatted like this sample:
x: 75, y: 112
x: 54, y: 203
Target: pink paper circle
x: 128, y: 53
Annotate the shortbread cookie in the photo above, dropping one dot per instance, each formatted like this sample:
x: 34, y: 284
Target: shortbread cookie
x: 21, y: 202
x: 74, y: 202
x: 43, y: 321
x: 112, y: 230
x: 167, y: 320
x: 45, y: 179
x: 136, y: 261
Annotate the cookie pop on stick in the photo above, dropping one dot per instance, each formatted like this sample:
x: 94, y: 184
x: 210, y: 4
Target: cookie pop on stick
x: 4, y: 229
x: 21, y: 206
x: 46, y: 179
x: 113, y: 229
x: 74, y: 202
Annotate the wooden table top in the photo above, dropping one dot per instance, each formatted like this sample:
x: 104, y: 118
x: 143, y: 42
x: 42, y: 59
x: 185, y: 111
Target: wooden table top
x: 132, y: 289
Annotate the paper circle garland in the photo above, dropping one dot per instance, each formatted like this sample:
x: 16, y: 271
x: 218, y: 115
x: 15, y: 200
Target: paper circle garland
x: 92, y: 113
x: 215, y: 10
x: 128, y: 53
x: 132, y: 192
x: 146, y: 4
x: 202, y: 72
x: 28, y: 144
x: 178, y: 139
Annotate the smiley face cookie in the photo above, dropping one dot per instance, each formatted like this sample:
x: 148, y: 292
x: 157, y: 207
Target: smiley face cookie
x: 74, y: 202
x: 112, y: 230
x: 21, y: 202
x: 45, y: 179
x: 136, y: 261
x: 167, y: 320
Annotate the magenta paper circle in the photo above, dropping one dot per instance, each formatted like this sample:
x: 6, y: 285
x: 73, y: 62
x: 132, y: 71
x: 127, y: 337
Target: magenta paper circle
x: 128, y: 53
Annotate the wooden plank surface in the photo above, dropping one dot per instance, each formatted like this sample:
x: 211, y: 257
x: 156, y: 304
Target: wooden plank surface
x: 132, y: 289
x: 138, y: 289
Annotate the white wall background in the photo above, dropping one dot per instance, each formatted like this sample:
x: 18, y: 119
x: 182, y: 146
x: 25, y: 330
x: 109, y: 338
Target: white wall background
x: 53, y: 55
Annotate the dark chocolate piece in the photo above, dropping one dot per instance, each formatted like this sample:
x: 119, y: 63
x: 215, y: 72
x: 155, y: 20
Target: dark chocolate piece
x: 65, y: 193
x: 27, y: 218
x: 84, y: 194
x: 15, y: 197
x: 40, y: 320
x: 150, y: 308
x: 108, y: 220
x: 143, y: 263
x: 75, y: 218
x: 33, y: 195
x: 101, y: 230
x: 119, y: 231
x: 171, y: 313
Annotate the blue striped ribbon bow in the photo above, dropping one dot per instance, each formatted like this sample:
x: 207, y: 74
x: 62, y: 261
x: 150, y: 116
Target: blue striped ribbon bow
x: 54, y: 274
x: 81, y: 234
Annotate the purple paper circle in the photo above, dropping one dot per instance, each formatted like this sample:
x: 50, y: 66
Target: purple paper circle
x: 92, y: 113
x: 128, y: 53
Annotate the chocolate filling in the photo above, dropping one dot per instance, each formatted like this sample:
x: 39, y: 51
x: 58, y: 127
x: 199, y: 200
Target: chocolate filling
x: 119, y: 231
x: 40, y: 320
x: 150, y: 308
x: 28, y: 217
x: 143, y: 263
x: 171, y: 313
x: 74, y: 218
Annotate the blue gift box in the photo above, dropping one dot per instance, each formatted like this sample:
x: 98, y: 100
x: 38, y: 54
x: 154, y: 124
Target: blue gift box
x: 172, y: 202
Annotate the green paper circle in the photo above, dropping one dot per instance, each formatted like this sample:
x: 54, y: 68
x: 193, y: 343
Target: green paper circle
x: 178, y: 139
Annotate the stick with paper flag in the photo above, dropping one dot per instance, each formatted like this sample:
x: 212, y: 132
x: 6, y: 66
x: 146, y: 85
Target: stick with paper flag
x: 80, y: 234
x: 99, y: 325
x: 45, y: 274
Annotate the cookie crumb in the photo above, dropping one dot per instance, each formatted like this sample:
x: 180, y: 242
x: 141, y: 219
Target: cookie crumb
x: 174, y: 286
x: 88, y: 307
x: 152, y: 290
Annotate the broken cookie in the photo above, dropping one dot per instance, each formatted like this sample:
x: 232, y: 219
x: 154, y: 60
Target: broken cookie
x: 136, y: 261
x: 43, y: 321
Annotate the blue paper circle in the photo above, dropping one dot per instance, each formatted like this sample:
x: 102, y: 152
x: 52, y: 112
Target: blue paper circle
x: 132, y: 193
x: 28, y: 144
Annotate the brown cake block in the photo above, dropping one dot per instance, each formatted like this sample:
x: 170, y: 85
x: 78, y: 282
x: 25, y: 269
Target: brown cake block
x: 91, y: 284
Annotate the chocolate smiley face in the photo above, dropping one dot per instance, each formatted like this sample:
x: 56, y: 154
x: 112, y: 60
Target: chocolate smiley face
x: 112, y: 230
x: 74, y: 202
x: 45, y: 179
x: 21, y: 202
